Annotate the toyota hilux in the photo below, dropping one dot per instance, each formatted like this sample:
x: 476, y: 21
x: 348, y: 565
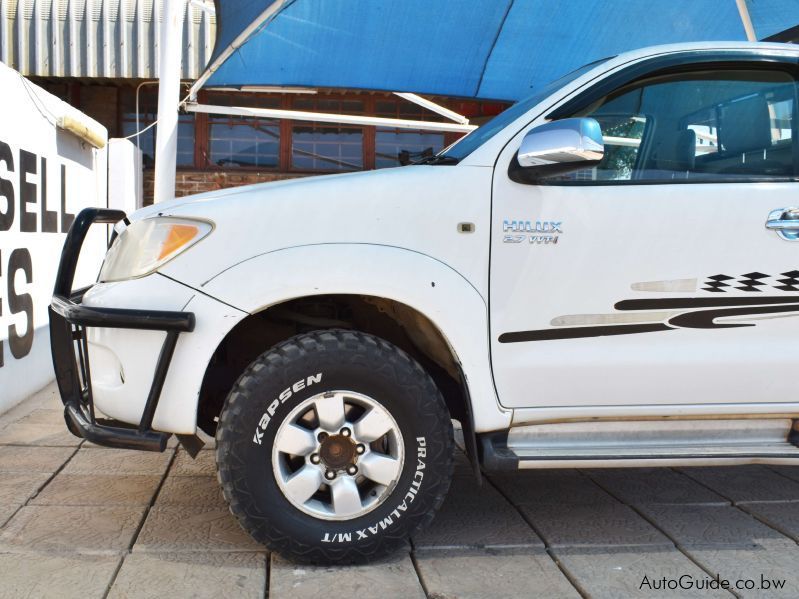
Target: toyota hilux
x: 600, y: 276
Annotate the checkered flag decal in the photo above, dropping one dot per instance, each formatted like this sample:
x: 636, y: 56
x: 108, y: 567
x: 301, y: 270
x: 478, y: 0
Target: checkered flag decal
x: 751, y: 281
x: 790, y: 282
x: 716, y: 283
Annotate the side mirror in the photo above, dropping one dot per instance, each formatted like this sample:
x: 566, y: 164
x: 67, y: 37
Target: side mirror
x: 562, y: 146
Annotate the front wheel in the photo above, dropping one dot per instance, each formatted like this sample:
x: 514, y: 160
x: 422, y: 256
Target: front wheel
x: 334, y: 447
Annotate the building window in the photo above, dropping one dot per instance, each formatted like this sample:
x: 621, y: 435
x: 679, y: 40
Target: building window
x: 327, y: 147
x: 226, y: 142
x: 396, y: 147
x: 238, y: 141
x: 148, y: 112
x: 317, y: 147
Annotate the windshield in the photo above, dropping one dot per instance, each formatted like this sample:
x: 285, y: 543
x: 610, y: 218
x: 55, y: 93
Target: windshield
x: 468, y: 144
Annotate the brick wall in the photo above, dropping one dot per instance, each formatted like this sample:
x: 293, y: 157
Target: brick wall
x: 191, y: 182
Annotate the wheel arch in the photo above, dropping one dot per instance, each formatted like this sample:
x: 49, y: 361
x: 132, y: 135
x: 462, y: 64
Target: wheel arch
x: 393, y: 321
x: 414, y: 301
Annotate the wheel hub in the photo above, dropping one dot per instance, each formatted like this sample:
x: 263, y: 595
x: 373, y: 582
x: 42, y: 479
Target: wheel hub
x: 338, y: 452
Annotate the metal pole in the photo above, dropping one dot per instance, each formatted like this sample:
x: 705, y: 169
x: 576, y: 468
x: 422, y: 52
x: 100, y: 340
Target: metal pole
x: 169, y: 63
x: 746, y: 20
x: 430, y: 105
x: 324, y: 117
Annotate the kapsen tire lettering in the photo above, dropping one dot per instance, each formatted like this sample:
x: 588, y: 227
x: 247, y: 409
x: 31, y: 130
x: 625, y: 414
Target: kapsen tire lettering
x: 334, y: 447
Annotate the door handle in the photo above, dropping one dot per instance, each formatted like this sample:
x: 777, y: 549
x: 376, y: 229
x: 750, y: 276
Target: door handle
x: 785, y: 221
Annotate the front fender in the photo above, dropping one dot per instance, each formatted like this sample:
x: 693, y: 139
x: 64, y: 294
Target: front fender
x: 428, y: 285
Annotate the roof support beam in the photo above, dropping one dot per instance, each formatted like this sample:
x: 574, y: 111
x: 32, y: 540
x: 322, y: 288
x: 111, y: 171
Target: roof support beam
x: 267, y: 14
x: 432, y: 106
x: 321, y: 117
x: 743, y: 10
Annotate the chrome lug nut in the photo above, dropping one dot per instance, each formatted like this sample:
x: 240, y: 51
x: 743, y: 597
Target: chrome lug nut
x: 345, y: 432
x: 330, y: 474
x: 314, y: 458
x: 360, y: 448
x: 321, y: 436
x: 352, y: 469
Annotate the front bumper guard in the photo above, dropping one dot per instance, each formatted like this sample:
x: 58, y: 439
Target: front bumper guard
x: 68, y: 322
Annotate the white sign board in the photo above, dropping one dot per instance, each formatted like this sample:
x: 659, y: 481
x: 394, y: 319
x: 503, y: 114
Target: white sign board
x: 47, y: 175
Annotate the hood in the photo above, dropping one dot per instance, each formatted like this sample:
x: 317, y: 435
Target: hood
x: 219, y: 194
x: 414, y: 207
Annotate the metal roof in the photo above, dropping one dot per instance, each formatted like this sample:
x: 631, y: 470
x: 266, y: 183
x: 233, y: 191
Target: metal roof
x: 492, y: 49
x: 98, y: 38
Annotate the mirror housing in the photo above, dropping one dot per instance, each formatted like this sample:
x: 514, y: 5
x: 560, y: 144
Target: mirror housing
x: 559, y: 147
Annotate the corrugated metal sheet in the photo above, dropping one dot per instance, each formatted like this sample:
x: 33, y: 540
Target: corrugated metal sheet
x: 97, y: 38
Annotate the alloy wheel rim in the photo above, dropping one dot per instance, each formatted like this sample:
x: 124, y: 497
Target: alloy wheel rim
x: 338, y: 455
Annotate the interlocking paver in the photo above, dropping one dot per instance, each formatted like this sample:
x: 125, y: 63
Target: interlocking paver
x: 476, y: 517
x: 783, y: 516
x: 600, y: 525
x: 196, y: 575
x: 193, y: 529
x: 6, y: 511
x: 761, y: 568
x: 508, y: 574
x: 653, y: 485
x: 478, y: 546
x: 48, y: 576
x: 746, y: 483
x: 33, y: 459
x: 394, y: 577
x: 717, y: 525
x: 203, y: 465
x: 104, y: 460
x: 48, y: 435
x: 613, y: 572
x: 70, y: 529
x: 201, y: 491
x: 550, y: 487
x: 791, y: 472
x: 17, y: 488
x: 42, y: 417
x: 100, y: 489
x: 46, y: 399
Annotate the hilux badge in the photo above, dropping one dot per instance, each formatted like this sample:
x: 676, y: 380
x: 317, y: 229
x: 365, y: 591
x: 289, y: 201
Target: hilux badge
x: 535, y: 232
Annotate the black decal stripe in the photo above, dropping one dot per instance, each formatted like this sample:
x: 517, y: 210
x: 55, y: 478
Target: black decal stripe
x: 697, y: 319
x: 678, y: 303
x: 703, y: 319
x: 581, y: 332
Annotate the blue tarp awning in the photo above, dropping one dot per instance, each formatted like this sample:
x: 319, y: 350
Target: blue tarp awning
x: 489, y: 49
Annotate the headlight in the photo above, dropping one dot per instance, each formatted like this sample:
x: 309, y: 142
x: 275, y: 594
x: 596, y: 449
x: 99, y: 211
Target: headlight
x: 150, y: 243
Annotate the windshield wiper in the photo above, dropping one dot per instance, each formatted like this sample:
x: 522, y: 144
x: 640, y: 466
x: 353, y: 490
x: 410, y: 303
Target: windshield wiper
x: 439, y: 159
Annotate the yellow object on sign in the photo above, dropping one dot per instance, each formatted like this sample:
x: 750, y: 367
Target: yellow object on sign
x: 81, y: 130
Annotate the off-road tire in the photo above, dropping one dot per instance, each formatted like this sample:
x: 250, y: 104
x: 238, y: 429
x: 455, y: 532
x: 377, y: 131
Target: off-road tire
x: 356, y: 362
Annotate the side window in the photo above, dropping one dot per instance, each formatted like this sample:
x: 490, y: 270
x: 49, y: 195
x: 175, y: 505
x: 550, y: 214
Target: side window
x: 721, y: 125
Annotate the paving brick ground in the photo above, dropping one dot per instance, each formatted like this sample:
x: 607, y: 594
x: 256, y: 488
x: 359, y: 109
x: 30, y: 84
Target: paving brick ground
x: 81, y: 521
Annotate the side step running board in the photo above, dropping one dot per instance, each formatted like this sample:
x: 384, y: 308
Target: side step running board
x: 617, y: 445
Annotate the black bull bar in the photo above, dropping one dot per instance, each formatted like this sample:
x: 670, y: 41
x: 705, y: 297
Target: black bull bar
x: 68, y: 340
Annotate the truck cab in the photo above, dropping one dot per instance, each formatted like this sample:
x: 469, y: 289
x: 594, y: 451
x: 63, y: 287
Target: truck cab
x: 603, y: 275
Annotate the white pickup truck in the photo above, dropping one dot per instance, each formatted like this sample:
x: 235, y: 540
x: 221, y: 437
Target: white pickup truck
x: 606, y: 274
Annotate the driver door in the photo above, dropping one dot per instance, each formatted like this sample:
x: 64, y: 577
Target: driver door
x: 651, y: 279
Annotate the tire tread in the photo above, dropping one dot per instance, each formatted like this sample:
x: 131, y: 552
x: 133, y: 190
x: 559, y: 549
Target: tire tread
x: 298, y: 348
